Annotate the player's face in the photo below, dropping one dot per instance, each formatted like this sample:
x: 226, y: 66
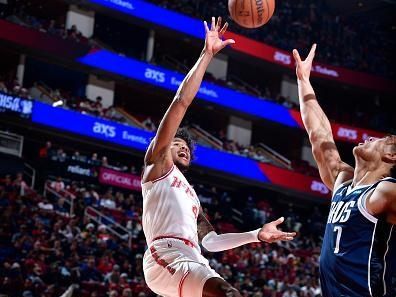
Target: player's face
x: 180, y: 153
x: 374, y: 149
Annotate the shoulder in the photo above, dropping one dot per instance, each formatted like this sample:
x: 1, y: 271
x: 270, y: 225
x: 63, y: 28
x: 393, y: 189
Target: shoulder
x: 383, y: 199
x: 344, y: 177
x: 158, y: 165
x: 386, y: 190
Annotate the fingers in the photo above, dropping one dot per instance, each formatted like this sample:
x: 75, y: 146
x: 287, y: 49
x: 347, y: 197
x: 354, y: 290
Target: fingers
x: 311, y: 54
x: 296, y: 56
x: 278, y: 221
x: 224, y: 29
x: 218, y: 25
x: 285, y: 236
x: 206, y: 27
x: 213, y: 26
x: 227, y: 42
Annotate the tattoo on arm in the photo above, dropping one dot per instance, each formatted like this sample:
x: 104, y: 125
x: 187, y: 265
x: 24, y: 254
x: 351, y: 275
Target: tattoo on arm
x: 204, y: 226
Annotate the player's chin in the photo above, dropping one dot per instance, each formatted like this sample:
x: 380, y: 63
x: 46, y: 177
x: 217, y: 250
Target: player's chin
x: 357, y: 149
x: 182, y: 164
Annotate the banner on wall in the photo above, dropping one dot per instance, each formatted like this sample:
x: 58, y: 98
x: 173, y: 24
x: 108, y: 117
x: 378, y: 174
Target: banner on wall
x: 119, y: 179
x: 171, y: 80
x: 71, y: 169
x: 15, y: 105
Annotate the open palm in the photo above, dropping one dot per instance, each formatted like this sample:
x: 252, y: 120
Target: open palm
x: 270, y: 232
x: 303, y: 68
x: 214, y: 36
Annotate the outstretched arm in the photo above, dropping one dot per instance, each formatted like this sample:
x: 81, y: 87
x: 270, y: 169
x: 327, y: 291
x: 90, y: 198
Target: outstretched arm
x: 318, y: 127
x: 214, y: 242
x: 158, y: 151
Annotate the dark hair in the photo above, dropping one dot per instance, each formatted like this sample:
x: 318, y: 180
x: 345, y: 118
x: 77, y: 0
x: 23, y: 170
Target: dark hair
x: 183, y: 133
x: 393, y: 171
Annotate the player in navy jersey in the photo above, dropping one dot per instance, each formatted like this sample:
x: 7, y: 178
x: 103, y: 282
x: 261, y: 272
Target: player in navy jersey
x: 358, y: 256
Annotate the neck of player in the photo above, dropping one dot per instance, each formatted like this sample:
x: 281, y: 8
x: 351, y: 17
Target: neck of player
x: 369, y: 172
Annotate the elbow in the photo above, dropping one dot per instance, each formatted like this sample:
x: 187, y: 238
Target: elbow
x: 182, y: 100
x: 208, y: 243
x: 314, y: 137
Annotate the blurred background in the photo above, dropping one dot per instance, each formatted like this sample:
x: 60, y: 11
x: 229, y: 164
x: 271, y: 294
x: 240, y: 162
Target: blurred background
x: 83, y: 86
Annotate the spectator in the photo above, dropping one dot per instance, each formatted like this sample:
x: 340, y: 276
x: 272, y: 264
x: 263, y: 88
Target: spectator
x: 103, y: 235
x: 60, y: 156
x: 58, y: 185
x: 8, y: 185
x: 90, y: 273
x: 78, y: 157
x: 149, y: 124
x: 94, y: 159
x: 74, y: 34
x: 97, y: 106
x: 60, y: 207
x: 85, y: 106
x: 113, y: 277
x: 45, y: 151
x: 290, y: 293
x: 46, y: 205
x: 108, y: 200
x: 111, y: 113
x: 105, y: 163
x: 19, y: 184
x: 106, y: 265
x: 127, y: 293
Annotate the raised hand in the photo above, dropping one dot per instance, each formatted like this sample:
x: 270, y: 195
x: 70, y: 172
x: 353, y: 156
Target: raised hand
x: 214, y: 36
x: 270, y: 233
x: 303, y: 68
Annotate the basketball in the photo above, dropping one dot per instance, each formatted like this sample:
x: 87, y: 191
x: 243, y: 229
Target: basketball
x: 251, y: 13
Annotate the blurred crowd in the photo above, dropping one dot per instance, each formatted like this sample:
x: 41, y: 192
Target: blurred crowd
x: 13, y: 87
x: 18, y: 14
x: 44, y: 252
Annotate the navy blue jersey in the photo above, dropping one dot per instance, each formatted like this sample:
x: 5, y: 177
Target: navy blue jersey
x: 358, y: 256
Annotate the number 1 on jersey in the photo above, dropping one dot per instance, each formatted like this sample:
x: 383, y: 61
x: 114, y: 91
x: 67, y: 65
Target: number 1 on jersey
x: 337, y: 229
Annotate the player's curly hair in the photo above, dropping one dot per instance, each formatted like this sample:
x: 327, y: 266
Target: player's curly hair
x: 183, y: 133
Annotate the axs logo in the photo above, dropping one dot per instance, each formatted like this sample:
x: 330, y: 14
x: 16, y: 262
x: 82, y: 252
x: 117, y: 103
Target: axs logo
x: 103, y: 129
x: 155, y: 75
x: 319, y: 187
x: 347, y: 133
x: 282, y: 58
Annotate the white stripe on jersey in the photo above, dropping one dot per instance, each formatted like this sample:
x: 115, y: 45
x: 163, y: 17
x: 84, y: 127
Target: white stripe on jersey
x: 369, y: 260
x: 386, y: 252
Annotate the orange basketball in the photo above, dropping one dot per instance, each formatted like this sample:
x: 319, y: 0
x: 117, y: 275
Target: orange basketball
x: 251, y: 13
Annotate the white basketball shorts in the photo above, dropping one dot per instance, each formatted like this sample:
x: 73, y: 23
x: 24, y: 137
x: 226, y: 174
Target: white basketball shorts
x: 174, y: 268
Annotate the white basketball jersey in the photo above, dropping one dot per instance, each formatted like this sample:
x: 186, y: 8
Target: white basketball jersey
x: 170, y: 208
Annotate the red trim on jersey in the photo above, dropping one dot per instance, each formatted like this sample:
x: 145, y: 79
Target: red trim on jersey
x: 182, y: 282
x: 164, y: 176
x: 161, y: 262
x: 186, y: 241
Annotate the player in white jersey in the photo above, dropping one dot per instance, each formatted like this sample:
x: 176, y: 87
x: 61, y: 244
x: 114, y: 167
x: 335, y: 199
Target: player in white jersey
x: 173, y: 221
